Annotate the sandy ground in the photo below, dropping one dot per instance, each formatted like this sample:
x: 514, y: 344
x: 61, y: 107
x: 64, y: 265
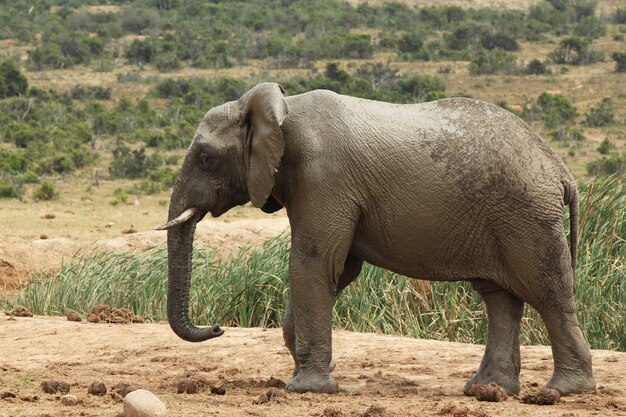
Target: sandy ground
x: 378, y: 375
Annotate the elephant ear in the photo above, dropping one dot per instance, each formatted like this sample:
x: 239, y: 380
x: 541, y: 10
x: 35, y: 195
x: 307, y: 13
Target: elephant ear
x: 265, y: 109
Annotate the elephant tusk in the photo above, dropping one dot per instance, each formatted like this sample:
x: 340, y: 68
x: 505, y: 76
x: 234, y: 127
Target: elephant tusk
x: 184, y: 217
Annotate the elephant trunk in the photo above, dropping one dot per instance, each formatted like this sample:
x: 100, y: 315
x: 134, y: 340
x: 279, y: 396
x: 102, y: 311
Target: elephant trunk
x: 180, y: 248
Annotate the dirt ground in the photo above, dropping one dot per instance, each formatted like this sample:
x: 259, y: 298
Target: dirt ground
x: 378, y: 375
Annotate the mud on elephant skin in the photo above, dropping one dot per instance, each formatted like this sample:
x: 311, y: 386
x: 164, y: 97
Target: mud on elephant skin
x: 454, y: 189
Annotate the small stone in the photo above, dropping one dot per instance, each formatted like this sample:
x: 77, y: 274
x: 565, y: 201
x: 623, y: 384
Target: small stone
x: 69, y: 400
x: 49, y: 216
x: 43, y: 236
x: 143, y: 403
x: 97, y: 388
x: 74, y: 316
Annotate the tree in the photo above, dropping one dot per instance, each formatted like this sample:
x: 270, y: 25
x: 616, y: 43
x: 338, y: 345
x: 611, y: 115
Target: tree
x: 12, y: 81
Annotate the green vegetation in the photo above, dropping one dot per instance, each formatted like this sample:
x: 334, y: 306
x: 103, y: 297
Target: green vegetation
x: 575, y: 51
x: 46, y: 192
x: 12, y: 81
x: 554, y: 109
x: 620, y: 61
x: 251, y: 289
x: 613, y: 165
x: 601, y: 114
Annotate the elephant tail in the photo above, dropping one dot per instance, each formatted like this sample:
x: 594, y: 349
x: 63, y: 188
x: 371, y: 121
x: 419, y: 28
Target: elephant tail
x: 571, y: 199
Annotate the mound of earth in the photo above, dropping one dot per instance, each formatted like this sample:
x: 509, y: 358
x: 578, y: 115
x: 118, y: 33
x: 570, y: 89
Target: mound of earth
x: 21, y: 259
x: 242, y: 372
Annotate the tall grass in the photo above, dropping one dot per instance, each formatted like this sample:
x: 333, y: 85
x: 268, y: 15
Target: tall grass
x: 250, y: 288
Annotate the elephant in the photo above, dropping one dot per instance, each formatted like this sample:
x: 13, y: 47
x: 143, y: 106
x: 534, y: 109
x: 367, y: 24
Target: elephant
x: 448, y: 190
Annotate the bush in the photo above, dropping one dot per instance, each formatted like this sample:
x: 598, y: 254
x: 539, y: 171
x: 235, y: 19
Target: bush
x: 500, y: 40
x: 590, y: 27
x: 620, y: 61
x: 554, y: 109
x: 12, y: 82
x: 410, y: 43
x: 567, y: 135
x: 605, y: 147
x: 620, y: 16
x: 8, y: 190
x: 132, y: 164
x: 574, y: 51
x: 491, y: 61
x: 536, y: 67
x: 46, y: 192
x: 615, y: 165
x: 601, y: 114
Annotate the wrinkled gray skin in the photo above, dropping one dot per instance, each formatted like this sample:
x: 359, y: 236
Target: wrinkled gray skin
x: 449, y: 190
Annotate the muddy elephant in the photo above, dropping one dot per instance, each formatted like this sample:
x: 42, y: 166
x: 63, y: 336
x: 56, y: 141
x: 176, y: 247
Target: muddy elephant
x: 454, y: 189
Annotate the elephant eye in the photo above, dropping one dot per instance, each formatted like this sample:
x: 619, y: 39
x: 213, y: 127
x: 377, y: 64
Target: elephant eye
x: 206, y: 160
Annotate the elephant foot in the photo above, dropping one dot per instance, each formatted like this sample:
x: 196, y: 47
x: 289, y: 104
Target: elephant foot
x: 312, y: 382
x: 509, y: 383
x: 571, y: 382
x: 331, y: 367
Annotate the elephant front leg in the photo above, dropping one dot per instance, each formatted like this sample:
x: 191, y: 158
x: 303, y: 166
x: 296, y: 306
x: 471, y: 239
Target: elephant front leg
x: 351, y: 270
x: 312, y: 298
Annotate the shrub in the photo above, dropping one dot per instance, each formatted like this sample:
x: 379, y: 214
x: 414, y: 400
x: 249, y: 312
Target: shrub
x: 601, y: 114
x: 620, y: 16
x: 491, y: 61
x: 620, y: 61
x: 500, y: 40
x: 606, y: 146
x: 132, y: 164
x: 574, y: 51
x: 12, y: 82
x: 554, y: 109
x: 410, y: 43
x: 615, y: 165
x: 590, y: 27
x: 46, y: 192
x: 567, y: 135
x: 8, y: 190
x: 418, y: 88
x: 536, y: 67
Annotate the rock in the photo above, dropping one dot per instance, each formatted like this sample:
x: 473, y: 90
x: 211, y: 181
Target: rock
x: 97, y: 388
x: 217, y: 391
x: 143, y: 403
x: 74, y: 316
x: 69, y: 400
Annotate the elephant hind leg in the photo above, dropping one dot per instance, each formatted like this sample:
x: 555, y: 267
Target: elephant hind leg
x: 549, y: 288
x: 572, y: 357
x: 501, y: 361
